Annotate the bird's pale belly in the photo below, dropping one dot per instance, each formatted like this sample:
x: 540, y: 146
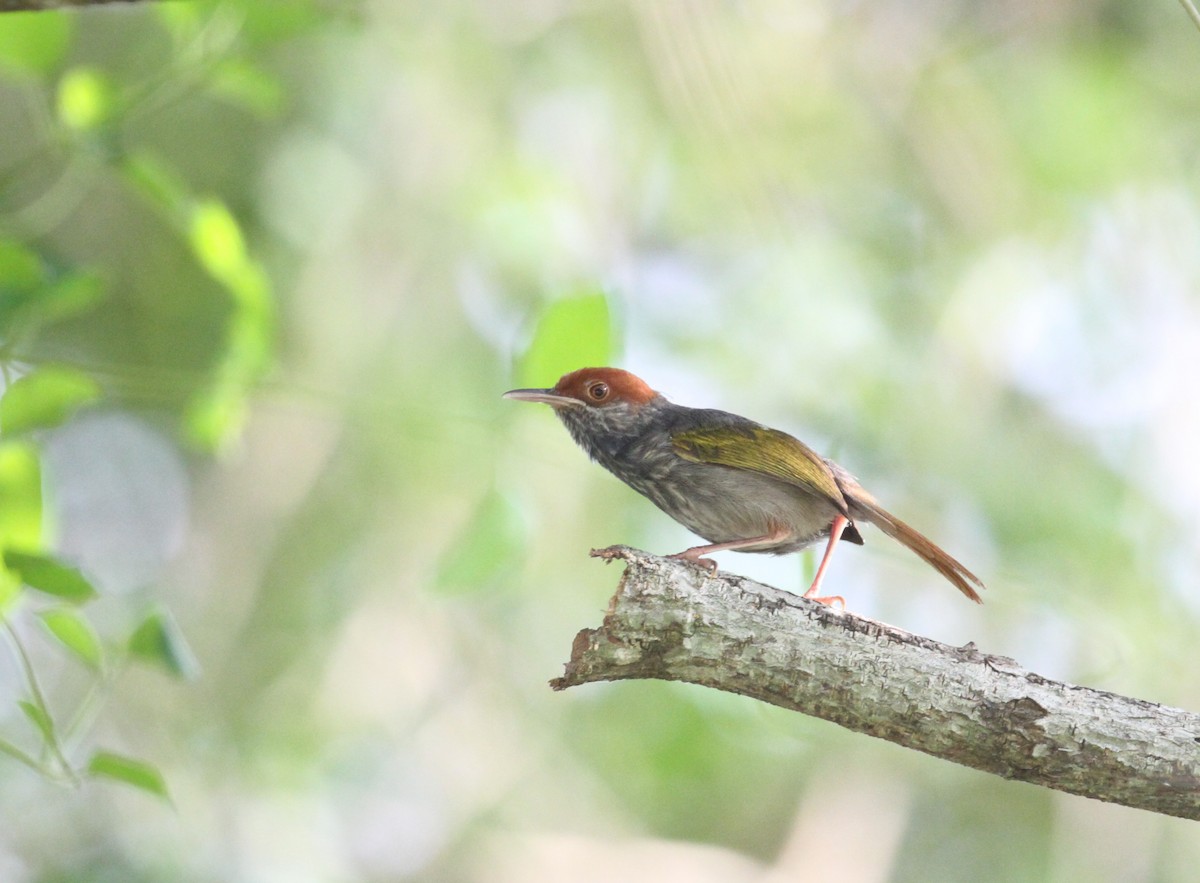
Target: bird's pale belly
x: 723, y: 504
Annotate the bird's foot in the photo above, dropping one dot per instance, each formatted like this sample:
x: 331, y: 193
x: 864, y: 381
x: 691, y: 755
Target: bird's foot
x: 706, y: 564
x: 811, y: 594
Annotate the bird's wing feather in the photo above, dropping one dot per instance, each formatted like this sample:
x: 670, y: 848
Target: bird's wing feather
x: 766, y: 451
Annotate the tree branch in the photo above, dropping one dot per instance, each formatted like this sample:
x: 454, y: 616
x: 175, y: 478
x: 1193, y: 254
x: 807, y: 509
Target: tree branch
x: 41, y: 5
x: 671, y: 621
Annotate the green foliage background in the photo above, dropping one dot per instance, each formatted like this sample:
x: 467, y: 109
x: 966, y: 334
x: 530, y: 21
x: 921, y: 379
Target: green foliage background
x: 276, y: 550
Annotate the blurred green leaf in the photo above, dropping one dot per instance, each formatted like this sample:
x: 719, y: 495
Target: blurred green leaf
x: 44, y: 398
x: 247, y: 86
x: 20, y: 267
x: 85, y: 99
x: 215, y: 415
x: 33, y: 42
x: 31, y: 296
x: 491, y: 544
x: 69, y: 296
x: 218, y: 412
x: 20, y: 509
x: 73, y: 631
x: 181, y: 19
x: 575, y: 332
x: 138, y: 773
x: 20, y: 495
x: 216, y: 239
x: 269, y: 21
x: 158, y: 640
x: 21, y: 275
x: 38, y: 717
x: 43, y: 573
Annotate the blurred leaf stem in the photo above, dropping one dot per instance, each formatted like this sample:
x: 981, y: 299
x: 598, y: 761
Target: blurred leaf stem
x: 62, y: 769
x: 1192, y: 12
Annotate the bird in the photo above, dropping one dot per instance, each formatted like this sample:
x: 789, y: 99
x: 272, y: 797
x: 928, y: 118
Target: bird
x: 738, y: 484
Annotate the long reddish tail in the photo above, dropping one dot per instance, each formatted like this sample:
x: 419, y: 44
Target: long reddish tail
x: 936, y: 557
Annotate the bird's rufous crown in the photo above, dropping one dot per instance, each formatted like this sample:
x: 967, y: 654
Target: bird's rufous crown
x: 584, y: 385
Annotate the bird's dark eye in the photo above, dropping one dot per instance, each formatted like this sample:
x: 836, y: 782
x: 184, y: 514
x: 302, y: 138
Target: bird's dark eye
x: 598, y: 391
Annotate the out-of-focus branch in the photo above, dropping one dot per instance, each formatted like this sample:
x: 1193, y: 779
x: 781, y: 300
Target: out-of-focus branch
x: 670, y: 620
x: 40, y: 5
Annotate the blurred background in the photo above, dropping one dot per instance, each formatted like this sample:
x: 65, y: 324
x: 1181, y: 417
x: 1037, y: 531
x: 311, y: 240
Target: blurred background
x: 302, y: 248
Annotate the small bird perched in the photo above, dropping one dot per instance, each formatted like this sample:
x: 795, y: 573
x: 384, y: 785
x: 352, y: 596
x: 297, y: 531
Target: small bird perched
x: 740, y: 485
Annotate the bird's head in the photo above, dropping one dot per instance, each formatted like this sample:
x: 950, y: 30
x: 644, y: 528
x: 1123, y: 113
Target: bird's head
x: 595, y: 399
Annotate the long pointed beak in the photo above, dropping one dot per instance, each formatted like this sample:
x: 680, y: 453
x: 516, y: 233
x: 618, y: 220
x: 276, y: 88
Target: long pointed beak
x: 548, y: 396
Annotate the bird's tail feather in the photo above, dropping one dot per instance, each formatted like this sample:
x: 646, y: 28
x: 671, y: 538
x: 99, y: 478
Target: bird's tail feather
x: 930, y: 552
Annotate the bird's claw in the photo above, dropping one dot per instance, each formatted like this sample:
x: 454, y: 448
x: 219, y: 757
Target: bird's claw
x: 705, y: 564
x: 828, y: 600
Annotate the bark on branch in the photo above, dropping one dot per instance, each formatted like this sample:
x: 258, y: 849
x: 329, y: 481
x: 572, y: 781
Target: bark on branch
x: 671, y: 621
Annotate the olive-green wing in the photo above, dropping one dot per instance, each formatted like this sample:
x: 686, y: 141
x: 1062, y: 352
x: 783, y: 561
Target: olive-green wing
x: 759, y: 449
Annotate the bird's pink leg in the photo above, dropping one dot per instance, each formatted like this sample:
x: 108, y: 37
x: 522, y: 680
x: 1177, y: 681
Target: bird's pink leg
x: 695, y: 553
x: 835, y: 534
